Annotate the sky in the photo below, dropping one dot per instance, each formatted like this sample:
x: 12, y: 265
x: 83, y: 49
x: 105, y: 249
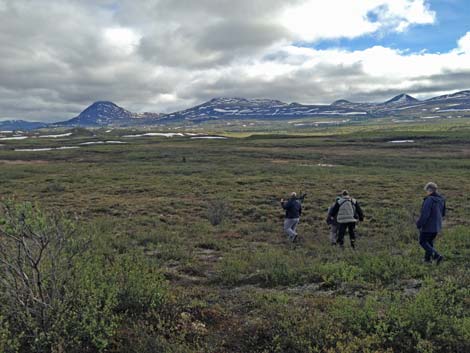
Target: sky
x: 57, y: 56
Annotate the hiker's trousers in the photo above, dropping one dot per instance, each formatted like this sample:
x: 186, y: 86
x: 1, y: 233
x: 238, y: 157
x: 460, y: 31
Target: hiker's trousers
x: 290, y: 225
x: 342, y: 231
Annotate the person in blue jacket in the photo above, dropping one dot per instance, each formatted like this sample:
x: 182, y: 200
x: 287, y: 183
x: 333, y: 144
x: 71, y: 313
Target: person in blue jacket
x: 430, y: 222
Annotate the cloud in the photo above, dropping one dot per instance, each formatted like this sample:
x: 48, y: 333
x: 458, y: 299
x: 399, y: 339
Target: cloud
x: 350, y: 19
x: 464, y: 44
x: 58, y: 56
x: 123, y: 41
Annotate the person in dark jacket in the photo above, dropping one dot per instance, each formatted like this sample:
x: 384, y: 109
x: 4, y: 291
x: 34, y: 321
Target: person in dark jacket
x: 293, y: 210
x: 429, y: 223
x: 347, y: 212
x: 333, y: 223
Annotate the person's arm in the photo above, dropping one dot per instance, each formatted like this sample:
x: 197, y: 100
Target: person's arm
x: 359, y: 211
x: 444, y: 210
x: 334, y: 210
x: 300, y: 209
x: 425, y: 213
x: 328, y: 217
x: 285, y: 204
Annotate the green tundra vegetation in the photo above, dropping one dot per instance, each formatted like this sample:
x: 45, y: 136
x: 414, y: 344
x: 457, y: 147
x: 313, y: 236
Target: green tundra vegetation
x: 176, y: 245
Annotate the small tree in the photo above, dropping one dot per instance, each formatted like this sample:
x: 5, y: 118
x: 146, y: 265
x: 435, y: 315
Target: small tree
x: 37, y: 255
x: 217, y: 211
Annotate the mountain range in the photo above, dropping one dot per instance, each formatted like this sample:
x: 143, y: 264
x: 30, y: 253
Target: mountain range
x: 104, y: 113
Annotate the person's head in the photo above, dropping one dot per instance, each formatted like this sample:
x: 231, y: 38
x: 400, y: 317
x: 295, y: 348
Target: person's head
x: 430, y: 188
x: 345, y: 193
x: 293, y: 195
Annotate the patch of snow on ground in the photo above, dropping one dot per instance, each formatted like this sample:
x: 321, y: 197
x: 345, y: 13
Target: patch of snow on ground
x: 354, y: 113
x: 403, y: 121
x: 46, y: 149
x: 332, y: 122
x: 154, y: 134
x: 33, y: 149
x: 455, y: 110
x: 209, y: 138
x: 101, y: 143
x: 402, y: 141
x: 92, y: 143
x: 56, y: 136
x: 14, y: 138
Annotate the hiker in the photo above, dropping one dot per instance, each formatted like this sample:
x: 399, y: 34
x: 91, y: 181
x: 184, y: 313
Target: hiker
x: 293, y: 209
x: 333, y: 223
x: 430, y: 222
x: 347, y: 212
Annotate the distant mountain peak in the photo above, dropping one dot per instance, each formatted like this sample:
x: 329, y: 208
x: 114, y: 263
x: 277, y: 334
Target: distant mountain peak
x: 104, y: 103
x: 340, y: 102
x: 100, y: 113
x: 20, y: 125
x: 458, y: 95
x: 402, y: 99
x: 239, y: 100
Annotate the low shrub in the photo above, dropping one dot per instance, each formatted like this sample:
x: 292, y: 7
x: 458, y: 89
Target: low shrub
x: 218, y: 211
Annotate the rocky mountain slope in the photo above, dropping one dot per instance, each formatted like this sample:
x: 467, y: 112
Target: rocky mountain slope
x: 103, y: 113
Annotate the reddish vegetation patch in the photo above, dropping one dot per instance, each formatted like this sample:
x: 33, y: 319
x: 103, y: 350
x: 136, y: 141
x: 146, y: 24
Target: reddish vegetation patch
x: 231, y: 235
x: 280, y: 161
x: 19, y: 161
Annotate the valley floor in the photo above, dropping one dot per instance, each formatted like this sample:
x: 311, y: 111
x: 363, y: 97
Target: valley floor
x: 240, y: 286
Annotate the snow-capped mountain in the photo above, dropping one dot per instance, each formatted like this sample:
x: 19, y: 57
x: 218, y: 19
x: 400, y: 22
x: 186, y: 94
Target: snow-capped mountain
x: 462, y: 95
x: 100, y: 114
x: 147, y: 115
x: 401, y: 99
x: 342, y: 102
x: 104, y: 113
x: 456, y: 104
x: 242, y: 108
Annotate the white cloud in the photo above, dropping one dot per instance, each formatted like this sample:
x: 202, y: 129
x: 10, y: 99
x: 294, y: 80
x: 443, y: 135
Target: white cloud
x: 311, y: 20
x: 122, y: 40
x: 464, y: 44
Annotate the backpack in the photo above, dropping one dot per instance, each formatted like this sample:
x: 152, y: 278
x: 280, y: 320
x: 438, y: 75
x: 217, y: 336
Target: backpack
x: 352, y: 204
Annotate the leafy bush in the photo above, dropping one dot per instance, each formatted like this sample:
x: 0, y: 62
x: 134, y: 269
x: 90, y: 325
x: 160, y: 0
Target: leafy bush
x: 37, y: 257
x: 388, y: 269
x: 58, y: 295
x: 141, y: 286
x: 8, y: 342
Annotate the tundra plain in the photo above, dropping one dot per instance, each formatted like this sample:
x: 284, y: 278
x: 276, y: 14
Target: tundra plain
x: 185, y: 251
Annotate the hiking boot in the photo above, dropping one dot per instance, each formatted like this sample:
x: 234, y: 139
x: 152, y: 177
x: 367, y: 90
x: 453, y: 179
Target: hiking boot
x: 333, y: 244
x: 439, y: 259
x: 427, y: 262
